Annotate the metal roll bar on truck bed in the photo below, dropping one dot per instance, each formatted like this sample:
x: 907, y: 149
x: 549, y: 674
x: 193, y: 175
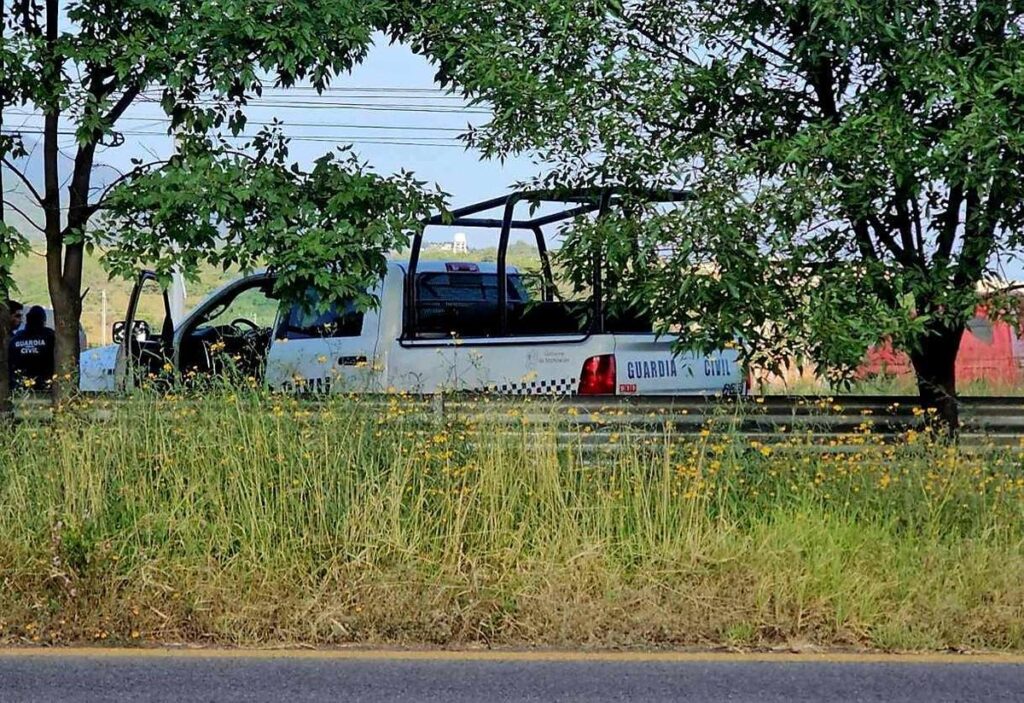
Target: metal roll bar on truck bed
x: 583, y: 201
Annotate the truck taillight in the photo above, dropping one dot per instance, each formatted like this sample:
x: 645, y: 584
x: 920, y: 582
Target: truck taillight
x: 598, y: 375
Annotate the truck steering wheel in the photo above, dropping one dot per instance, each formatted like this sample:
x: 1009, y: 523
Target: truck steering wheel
x: 245, y: 321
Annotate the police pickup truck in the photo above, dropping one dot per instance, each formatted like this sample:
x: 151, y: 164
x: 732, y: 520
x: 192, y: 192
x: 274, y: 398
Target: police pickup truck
x: 304, y: 346
x: 438, y: 326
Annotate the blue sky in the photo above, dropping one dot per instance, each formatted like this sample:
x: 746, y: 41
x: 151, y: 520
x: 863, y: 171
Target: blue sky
x: 461, y: 173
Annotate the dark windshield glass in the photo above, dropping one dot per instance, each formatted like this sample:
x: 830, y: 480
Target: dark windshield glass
x: 463, y: 303
x: 463, y: 286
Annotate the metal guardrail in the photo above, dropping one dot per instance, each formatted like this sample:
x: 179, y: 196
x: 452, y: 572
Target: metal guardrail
x: 997, y: 420
x: 831, y: 420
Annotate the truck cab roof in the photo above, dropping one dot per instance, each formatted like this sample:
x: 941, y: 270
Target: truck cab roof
x: 442, y: 266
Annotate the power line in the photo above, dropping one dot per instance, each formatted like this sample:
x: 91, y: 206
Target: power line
x: 263, y: 123
x: 379, y: 107
x: 331, y: 96
x: 306, y: 103
x: 392, y: 90
x: 397, y: 107
x: 332, y: 139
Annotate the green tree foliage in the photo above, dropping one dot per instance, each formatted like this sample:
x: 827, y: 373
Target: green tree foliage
x: 84, y: 63
x: 329, y: 228
x: 856, y: 167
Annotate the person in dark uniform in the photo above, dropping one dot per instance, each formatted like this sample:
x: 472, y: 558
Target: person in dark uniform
x: 30, y: 355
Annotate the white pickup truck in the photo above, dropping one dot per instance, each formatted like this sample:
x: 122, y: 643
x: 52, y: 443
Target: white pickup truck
x: 303, y: 347
x: 439, y: 326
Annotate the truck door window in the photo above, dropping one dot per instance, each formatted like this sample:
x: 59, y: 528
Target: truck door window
x: 255, y: 305
x: 312, y: 320
x: 151, y: 309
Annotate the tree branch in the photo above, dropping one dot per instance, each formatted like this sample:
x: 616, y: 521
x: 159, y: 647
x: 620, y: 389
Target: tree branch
x: 631, y: 24
x: 51, y: 124
x: 863, y: 237
x: 80, y: 209
x: 27, y: 12
x: 974, y: 250
x: 28, y: 218
x: 760, y: 43
x: 882, y: 232
x: 100, y: 201
x: 122, y: 104
x: 979, y: 232
x: 24, y: 179
x: 903, y: 224
x: 918, y: 230
x: 950, y: 219
x: 818, y: 69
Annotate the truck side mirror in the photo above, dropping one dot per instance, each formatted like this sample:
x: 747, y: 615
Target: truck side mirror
x: 140, y: 331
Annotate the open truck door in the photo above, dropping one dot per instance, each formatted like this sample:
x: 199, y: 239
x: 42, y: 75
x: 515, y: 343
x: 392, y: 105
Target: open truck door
x: 144, y: 337
x: 151, y: 315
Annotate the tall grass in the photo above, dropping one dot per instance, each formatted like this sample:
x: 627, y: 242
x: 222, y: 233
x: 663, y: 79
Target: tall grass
x: 892, y: 385
x: 247, y: 518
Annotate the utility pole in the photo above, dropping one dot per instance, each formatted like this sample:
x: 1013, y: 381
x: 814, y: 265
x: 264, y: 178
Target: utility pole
x: 103, y: 317
x: 176, y: 292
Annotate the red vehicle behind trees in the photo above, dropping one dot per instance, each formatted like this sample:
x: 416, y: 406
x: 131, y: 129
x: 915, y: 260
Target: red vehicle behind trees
x: 991, y: 351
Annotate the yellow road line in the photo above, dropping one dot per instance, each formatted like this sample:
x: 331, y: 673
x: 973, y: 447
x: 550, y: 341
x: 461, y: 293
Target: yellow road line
x: 512, y: 655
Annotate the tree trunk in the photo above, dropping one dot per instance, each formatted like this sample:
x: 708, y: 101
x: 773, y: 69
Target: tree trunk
x: 935, y: 366
x: 59, y: 297
x: 67, y: 312
x: 6, y: 406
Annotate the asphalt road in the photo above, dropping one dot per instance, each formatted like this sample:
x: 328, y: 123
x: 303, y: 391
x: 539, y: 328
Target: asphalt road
x: 155, y: 676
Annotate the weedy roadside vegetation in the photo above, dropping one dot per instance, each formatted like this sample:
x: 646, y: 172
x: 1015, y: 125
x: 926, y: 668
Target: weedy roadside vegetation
x: 233, y: 516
